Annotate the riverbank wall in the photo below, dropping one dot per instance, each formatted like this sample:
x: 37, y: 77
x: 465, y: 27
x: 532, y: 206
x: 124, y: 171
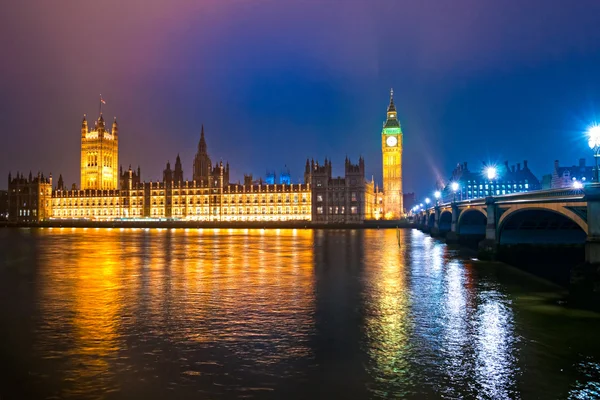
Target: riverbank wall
x: 210, y: 224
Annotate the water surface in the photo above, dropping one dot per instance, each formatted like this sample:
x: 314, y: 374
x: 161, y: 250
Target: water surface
x: 149, y: 313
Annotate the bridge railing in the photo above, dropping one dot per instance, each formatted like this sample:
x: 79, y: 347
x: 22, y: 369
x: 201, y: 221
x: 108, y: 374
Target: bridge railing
x: 556, y: 194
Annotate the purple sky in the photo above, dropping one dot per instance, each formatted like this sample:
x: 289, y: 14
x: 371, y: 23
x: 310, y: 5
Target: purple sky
x: 275, y: 82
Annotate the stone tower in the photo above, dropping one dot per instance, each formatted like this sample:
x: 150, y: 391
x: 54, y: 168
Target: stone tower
x: 202, y: 163
x: 99, y: 155
x: 391, y: 151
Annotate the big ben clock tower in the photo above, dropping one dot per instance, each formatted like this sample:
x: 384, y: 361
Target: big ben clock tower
x: 391, y: 152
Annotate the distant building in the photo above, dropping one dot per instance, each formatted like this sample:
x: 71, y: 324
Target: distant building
x: 563, y: 177
x: 343, y: 199
x: 29, y: 199
x: 547, y: 182
x: 3, y: 205
x: 284, y: 177
x: 409, y: 200
x: 129, y: 178
x: 473, y: 185
x: 108, y: 193
x: 270, y: 178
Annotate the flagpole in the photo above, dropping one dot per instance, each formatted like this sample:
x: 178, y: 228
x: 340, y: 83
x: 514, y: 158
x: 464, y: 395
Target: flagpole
x: 101, y: 104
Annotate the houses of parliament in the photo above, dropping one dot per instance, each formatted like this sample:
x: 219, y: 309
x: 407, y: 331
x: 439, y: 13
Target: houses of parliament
x: 109, y: 193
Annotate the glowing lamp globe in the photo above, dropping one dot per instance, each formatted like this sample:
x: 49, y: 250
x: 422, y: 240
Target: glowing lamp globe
x: 454, y: 186
x: 577, y: 185
x: 594, y: 137
x: 437, y: 194
x: 427, y: 201
x: 491, y: 172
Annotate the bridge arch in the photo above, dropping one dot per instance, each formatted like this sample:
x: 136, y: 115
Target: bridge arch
x: 472, y: 221
x: 539, y: 224
x: 431, y: 220
x: 445, y: 222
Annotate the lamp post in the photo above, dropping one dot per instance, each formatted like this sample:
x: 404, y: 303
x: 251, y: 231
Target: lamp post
x: 594, y: 143
x: 437, y: 196
x: 427, y: 201
x: 454, y: 187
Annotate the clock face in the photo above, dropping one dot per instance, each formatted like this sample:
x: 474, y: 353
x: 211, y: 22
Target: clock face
x: 391, y: 141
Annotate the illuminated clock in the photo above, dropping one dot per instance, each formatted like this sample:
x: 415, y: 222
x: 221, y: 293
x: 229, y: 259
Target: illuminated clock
x: 391, y: 141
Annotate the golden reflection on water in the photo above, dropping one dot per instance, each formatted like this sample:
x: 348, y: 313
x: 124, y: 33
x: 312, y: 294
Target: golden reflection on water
x: 249, y: 291
x: 387, y: 323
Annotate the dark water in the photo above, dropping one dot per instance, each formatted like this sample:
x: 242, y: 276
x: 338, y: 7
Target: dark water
x: 149, y: 314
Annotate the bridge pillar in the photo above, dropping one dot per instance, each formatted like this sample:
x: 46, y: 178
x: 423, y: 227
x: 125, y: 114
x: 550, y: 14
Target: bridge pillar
x: 488, y: 246
x: 592, y: 244
x: 452, y: 236
x: 435, y: 231
x: 585, y: 278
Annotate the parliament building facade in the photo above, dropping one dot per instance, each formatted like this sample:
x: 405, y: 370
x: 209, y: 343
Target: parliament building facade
x: 107, y: 193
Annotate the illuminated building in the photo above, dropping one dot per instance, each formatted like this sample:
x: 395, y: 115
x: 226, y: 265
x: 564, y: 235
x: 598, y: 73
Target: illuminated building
x: 505, y: 180
x: 391, y: 150
x: 284, y: 177
x: 29, y: 199
x: 270, y: 178
x: 208, y: 197
x: 107, y: 193
x: 563, y: 177
x: 99, y: 156
x: 340, y: 200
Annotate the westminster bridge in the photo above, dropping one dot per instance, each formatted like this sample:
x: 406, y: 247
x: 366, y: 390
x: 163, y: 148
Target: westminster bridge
x: 557, y: 222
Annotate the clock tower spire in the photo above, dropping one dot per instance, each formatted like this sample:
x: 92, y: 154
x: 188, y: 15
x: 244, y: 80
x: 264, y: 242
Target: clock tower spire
x: 391, y: 152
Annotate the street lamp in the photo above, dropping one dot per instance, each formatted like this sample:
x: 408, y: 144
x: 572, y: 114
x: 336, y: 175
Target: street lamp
x: 437, y: 196
x: 427, y: 201
x: 577, y: 185
x: 454, y: 187
x: 594, y: 143
x: 491, y: 172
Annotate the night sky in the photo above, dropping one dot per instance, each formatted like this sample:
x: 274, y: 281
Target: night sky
x: 276, y: 81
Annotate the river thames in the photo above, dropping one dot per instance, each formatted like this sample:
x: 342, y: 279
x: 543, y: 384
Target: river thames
x: 153, y: 314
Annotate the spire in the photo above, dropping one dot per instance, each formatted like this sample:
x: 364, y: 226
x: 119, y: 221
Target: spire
x: 392, y: 125
x: 115, y: 127
x: 84, y: 126
x: 101, y: 124
x: 202, y: 143
x: 61, y: 184
x: 391, y: 107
